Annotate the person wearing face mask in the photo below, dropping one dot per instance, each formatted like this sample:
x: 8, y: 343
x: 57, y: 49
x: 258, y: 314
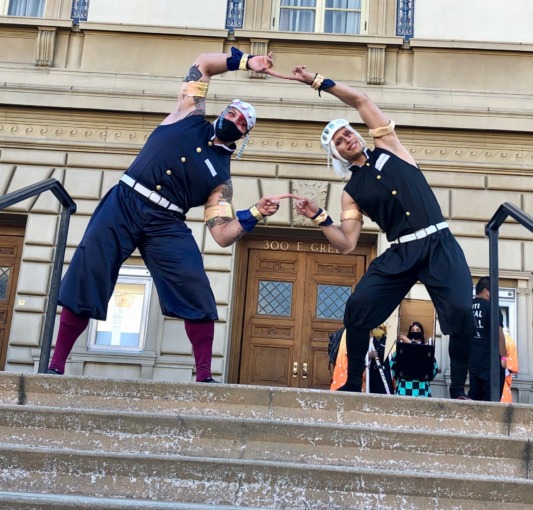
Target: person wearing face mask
x: 412, y: 369
x: 386, y: 185
x: 184, y: 163
x: 415, y: 334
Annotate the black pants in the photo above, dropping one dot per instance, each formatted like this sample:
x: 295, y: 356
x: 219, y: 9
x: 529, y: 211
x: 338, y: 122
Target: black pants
x: 480, y: 386
x: 439, y: 263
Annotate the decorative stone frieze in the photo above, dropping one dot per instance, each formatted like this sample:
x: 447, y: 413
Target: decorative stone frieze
x: 316, y: 191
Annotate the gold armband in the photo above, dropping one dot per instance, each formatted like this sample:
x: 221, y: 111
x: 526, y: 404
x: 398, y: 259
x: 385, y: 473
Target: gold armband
x: 222, y: 210
x: 382, y: 131
x: 317, y: 81
x: 243, y: 64
x: 194, y: 88
x: 352, y: 214
x: 255, y: 213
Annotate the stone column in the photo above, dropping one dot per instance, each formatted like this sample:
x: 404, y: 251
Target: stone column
x: 259, y: 47
x: 45, y: 46
x: 376, y: 64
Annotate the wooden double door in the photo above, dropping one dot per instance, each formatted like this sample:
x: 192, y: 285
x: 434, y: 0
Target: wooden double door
x: 295, y: 296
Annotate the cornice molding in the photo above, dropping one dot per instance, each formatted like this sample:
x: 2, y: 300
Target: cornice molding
x: 272, y: 140
x: 270, y: 100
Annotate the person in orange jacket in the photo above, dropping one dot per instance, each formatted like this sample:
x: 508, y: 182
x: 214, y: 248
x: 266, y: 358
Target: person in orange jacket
x: 511, y: 368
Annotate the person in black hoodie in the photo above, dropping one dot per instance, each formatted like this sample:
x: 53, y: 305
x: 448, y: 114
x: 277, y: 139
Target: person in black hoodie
x: 480, y: 353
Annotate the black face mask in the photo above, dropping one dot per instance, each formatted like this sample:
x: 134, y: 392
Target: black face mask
x: 415, y: 335
x: 227, y: 131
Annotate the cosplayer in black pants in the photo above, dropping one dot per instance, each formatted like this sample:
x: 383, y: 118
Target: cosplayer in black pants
x: 386, y: 185
x: 386, y: 283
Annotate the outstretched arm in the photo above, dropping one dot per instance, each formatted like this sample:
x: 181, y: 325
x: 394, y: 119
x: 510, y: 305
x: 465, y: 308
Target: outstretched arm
x: 370, y: 113
x: 404, y: 339
x: 344, y: 238
x: 191, y: 99
x: 225, y: 229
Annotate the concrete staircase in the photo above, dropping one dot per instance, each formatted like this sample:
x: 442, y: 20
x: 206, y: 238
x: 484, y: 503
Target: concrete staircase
x: 72, y: 442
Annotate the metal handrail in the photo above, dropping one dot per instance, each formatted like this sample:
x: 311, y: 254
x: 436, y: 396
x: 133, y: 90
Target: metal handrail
x: 69, y: 207
x: 491, y: 230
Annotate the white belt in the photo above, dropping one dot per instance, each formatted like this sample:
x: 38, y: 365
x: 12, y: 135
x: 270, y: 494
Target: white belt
x: 154, y: 197
x: 420, y: 234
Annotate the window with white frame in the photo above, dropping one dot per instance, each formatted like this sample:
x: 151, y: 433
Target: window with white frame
x: 127, y: 313
x: 31, y: 8
x: 507, y: 303
x: 326, y: 16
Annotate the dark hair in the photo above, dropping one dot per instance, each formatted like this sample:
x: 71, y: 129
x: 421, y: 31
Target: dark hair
x: 415, y: 323
x: 482, y: 284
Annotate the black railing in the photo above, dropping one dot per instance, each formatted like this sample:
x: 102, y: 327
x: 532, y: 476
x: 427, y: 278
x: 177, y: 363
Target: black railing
x: 491, y: 230
x: 68, y: 208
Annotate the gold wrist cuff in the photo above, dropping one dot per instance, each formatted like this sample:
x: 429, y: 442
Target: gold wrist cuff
x: 255, y: 213
x: 243, y: 64
x: 382, y: 131
x: 317, y: 81
x: 194, y: 88
x: 321, y: 217
x: 352, y: 214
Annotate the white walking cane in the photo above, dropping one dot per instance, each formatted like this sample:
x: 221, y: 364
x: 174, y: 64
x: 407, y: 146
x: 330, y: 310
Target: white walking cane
x: 383, y: 378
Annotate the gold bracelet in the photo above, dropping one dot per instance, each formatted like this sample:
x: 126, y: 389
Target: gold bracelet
x: 256, y: 213
x: 243, y: 64
x: 317, y: 81
x: 321, y: 217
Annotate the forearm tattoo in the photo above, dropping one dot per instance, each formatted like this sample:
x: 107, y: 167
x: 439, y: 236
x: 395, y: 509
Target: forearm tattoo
x: 240, y: 233
x: 217, y: 220
x: 195, y: 74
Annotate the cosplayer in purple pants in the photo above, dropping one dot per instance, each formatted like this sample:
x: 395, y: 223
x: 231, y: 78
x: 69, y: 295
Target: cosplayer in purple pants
x: 185, y: 163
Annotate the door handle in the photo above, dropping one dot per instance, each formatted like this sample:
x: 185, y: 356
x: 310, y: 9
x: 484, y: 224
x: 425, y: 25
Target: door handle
x: 304, y: 370
x: 295, y: 369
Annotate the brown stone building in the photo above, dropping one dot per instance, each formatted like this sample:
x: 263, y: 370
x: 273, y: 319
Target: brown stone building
x: 83, y: 83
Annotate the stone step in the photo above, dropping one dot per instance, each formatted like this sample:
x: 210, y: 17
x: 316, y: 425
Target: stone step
x: 24, y: 501
x: 252, y: 483
x: 259, y: 439
x: 316, y: 406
